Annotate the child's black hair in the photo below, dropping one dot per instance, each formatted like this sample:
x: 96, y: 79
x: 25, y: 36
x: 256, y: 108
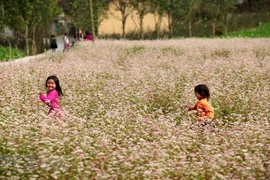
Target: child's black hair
x: 203, y: 90
x: 56, y: 81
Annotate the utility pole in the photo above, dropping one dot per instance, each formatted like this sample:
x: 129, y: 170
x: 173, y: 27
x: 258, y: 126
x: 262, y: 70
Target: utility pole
x: 92, y: 20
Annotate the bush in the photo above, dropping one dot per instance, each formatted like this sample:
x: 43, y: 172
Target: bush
x: 261, y: 31
x: 6, y: 56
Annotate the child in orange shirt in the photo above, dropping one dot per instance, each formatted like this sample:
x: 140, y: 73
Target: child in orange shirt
x: 205, y: 112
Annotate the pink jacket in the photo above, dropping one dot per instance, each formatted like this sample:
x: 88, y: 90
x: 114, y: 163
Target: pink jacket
x: 88, y: 37
x: 51, y: 100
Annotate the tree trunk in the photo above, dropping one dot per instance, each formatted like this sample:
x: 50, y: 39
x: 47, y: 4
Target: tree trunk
x: 226, y: 24
x: 141, y: 27
x: 9, y: 46
x: 190, y: 28
x: 26, y: 40
x: 123, y: 26
x: 34, y: 45
x: 10, y: 49
x: 170, y: 24
x: 92, y: 20
x: 158, y: 24
x: 214, y: 27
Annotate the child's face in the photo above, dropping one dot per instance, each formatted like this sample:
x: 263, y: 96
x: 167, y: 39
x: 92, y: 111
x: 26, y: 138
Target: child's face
x: 51, y: 84
x: 199, y: 97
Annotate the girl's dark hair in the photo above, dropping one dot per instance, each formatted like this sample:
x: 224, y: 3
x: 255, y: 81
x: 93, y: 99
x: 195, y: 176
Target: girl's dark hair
x: 56, y: 81
x: 203, y: 90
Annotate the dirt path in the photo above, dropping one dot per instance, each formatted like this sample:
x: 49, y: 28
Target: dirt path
x: 59, y: 50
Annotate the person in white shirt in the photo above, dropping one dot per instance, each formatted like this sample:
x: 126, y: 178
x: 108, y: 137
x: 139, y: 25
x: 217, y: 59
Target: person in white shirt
x: 66, y: 43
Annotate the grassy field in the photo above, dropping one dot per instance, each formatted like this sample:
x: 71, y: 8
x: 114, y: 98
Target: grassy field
x: 262, y: 31
x: 124, y: 117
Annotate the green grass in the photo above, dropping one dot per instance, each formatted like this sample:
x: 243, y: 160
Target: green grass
x: 15, y: 53
x: 261, y: 31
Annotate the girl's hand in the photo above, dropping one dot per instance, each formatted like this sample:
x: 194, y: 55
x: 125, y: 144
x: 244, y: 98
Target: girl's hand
x: 190, y: 108
x: 40, y: 93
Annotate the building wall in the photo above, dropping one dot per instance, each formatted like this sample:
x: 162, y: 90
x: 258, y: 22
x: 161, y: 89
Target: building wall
x: 113, y: 24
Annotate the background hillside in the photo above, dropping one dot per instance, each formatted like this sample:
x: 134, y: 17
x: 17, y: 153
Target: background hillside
x: 24, y: 29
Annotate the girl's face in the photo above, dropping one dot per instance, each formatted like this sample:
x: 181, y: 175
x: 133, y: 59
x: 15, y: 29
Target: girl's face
x: 199, y: 97
x: 51, y: 85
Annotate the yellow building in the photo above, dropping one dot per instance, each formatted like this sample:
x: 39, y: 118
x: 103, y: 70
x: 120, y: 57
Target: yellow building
x: 113, y: 24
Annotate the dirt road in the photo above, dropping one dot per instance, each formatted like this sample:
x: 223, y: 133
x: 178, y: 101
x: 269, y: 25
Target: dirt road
x: 59, y: 50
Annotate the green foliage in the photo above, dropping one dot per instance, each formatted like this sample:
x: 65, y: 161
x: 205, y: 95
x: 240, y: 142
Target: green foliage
x: 4, y: 54
x: 135, y: 50
x: 80, y: 12
x: 29, y: 19
x: 177, y: 51
x: 261, y: 31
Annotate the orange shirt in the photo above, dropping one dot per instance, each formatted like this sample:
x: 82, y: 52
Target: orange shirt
x: 204, y: 109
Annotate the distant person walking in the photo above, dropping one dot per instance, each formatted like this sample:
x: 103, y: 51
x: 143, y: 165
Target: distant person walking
x: 53, y: 43
x: 88, y: 36
x: 66, y: 43
x: 80, y: 36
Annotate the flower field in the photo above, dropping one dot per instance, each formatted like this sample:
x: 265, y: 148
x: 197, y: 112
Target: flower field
x: 124, y: 117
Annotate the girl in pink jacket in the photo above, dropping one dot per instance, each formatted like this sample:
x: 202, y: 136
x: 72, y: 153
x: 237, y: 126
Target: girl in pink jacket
x: 53, y: 92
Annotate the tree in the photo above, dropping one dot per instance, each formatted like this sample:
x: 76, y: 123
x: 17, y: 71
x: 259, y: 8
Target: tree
x: 227, y: 6
x: 169, y: 6
x: 158, y: 10
x: 16, y: 17
x: 79, y: 11
x: 191, y: 12
x: 24, y: 17
x: 218, y: 9
x: 142, y: 7
x: 3, y: 24
x: 214, y: 8
x: 43, y: 12
x: 125, y: 7
x: 2, y: 15
x: 173, y: 10
x: 92, y: 20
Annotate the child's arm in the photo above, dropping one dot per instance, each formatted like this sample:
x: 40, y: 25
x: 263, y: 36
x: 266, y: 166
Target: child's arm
x: 42, y: 97
x: 190, y: 108
x: 50, y: 96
